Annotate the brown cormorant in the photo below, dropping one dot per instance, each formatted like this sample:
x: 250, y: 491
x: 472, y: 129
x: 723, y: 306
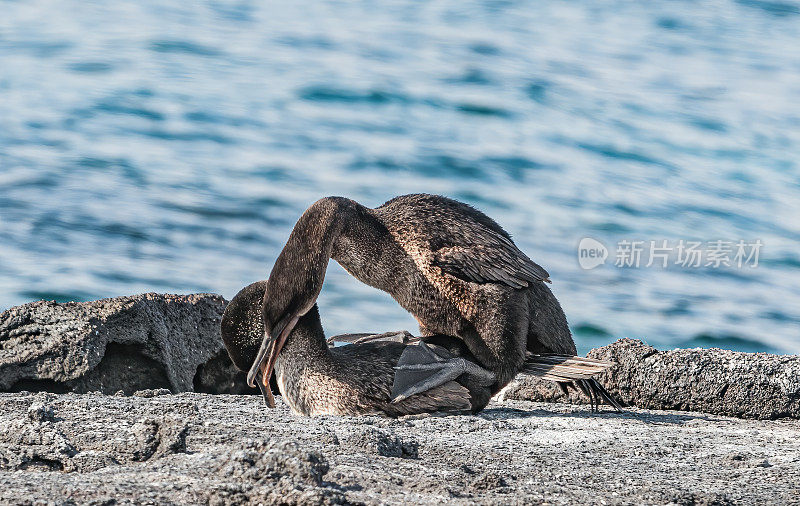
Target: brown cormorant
x: 315, y: 379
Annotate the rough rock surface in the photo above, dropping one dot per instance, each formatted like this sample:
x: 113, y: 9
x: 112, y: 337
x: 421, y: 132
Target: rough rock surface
x: 746, y: 385
x: 154, y: 341
x: 125, y: 343
x: 156, y: 448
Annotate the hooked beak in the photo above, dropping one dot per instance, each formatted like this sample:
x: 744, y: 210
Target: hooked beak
x: 268, y: 353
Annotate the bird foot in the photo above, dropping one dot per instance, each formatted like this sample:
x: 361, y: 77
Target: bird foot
x: 423, y: 367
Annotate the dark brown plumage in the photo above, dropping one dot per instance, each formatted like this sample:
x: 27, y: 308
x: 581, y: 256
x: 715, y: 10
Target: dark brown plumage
x: 317, y: 380
x: 451, y: 266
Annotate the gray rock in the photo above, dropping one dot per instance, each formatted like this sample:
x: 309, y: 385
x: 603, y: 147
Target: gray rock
x: 194, y: 448
x: 746, y: 385
x: 381, y: 442
x: 124, y: 344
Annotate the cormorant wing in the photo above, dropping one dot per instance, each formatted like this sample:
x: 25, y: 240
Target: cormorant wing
x: 371, y: 364
x: 465, y: 242
x: 399, y: 336
x: 483, y: 255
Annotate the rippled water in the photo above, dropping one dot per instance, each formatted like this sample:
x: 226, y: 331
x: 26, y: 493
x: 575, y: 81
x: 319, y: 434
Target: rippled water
x: 170, y: 146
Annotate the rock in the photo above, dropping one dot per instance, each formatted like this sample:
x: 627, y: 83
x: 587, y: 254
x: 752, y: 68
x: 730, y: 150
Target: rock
x: 488, y: 481
x: 382, y: 442
x: 35, y: 441
x: 219, y: 376
x: 118, y: 345
x: 195, y: 448
x: 151, y: 392
x: 275, y: 472
x: 746, y: 385
x: 153, y: 438
x: 41, y: 412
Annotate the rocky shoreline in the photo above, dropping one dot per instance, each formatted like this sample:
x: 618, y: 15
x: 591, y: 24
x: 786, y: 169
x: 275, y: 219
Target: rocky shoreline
x: 157, y: 448
x: 129, y: 400
x: 154, y: 341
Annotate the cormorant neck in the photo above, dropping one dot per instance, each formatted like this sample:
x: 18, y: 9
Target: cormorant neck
x: 307, y: 340
x: 299, y: 271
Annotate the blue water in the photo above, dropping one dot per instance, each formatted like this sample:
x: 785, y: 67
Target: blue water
x: 170, y: 146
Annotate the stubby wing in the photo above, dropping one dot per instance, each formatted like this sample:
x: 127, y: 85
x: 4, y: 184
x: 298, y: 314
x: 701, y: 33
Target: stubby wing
x: 463, y: 241
x: 399, y: 336
x: 449, y: 397
x: 370, y: 368
x: 486, y: 256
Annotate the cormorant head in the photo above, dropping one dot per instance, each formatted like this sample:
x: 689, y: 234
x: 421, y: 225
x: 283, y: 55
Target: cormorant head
x: 242, y: 325
x: 243, y: 332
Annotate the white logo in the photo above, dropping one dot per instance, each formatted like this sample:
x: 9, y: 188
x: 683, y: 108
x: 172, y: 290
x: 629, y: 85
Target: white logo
x: 591, y: 253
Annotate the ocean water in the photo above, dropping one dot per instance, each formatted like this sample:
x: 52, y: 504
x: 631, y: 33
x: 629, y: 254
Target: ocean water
x: 170, y: 146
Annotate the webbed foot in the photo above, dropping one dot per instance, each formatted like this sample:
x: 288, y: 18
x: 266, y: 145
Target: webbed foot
x: 422, y: 367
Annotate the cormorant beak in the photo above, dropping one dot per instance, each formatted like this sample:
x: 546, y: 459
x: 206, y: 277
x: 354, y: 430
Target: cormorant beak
x: 268, y: 353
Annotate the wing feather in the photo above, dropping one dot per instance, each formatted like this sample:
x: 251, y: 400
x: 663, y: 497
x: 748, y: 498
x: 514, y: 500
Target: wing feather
x: 489, y: 260
x: 464, y: 242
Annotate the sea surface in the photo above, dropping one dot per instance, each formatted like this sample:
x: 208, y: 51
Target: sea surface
x: 169, y: 146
